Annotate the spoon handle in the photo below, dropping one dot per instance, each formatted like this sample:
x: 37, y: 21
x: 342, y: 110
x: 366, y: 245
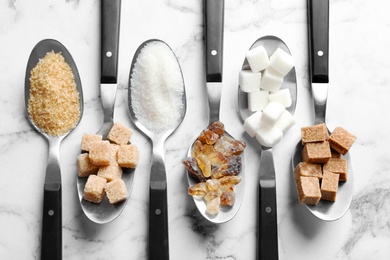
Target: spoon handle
x: 214, y: 22
x: 158, y: 212
x: 109, y: 40
x: 318, y: 14
x: 268, y: 221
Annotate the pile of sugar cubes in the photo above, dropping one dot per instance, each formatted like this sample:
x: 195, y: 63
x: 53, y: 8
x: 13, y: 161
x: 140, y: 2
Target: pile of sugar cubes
x: 266, y: 99
x: 101, y: 162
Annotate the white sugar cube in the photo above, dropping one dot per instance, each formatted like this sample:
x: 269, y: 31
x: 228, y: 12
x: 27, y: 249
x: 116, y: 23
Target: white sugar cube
x: 257, y: 58
x: 258, y: 100
x: 272, y: 113
x: 281, y: 61
x: 268, y: 136
x: 252, y: 123
x: 285, y: 121
x: 249, y: 81
x: 283, y: 96
x: 271, y: 80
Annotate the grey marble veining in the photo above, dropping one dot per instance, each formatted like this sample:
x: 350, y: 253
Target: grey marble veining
x: 358, y: 100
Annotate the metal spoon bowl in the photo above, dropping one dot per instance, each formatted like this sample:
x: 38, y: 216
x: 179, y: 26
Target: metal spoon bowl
x: 267, y: 226
x: 158, y: 200
x: 51, y: 247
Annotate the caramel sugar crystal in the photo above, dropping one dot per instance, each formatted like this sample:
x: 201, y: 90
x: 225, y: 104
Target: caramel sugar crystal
x: 329, y: 186
x: 308, y: 190
x: 85, y: 166
x: 339, y: 166
x: 94, y: 189
x: 116, y: 191
x: 315, y: 133
x: 308, y: 169
x: 100, y: 153
x: 88, y: 140
x: 128, y: 156
x: 316, y: 152
x: 341, y: 140
x: 119, y: 134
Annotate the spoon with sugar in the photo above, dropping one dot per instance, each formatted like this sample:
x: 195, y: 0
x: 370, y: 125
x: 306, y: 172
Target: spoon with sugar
x: 214, y: 23
x: 157, y: 106
x: 254, y: 125
x: 54, y: 102
x: 319, y: 45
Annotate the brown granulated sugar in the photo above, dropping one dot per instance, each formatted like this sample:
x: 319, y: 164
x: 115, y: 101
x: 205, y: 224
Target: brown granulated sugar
x: 54, y: 102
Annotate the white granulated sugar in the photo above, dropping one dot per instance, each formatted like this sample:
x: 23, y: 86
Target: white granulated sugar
x: 157, y: 88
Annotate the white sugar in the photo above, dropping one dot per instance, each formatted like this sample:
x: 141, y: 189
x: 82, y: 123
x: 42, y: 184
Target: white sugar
x: 157, y: 88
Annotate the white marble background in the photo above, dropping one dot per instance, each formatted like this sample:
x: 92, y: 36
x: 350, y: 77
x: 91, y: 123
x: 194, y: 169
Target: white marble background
x: 358, y: 100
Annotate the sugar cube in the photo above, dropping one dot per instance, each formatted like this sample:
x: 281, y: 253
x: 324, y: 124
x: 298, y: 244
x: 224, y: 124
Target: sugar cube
x: 315, y: 133
x: 339, y: 166
x: 257, y: 100
x: 316, y: 152
x: 257, y: 58
x: 268, y: 136
x: 308, y: 190
x: 341, y: 140
x: 272, y: 113
x: 85, y: 167
x: 116, y: 191
x: 283, y: 96
x: 308, y: 170
x: 285, y: 121
x: 94, y: 189
x: 329, y: 186
x: 88, y: 140
x: 281, y: 61
x: 119, y: 134
x: 252, y: 123
x: 128, y: 156
x: 110, y: 172
x: 249, y: 81
x: 271, y: 80
x: 100, y: 153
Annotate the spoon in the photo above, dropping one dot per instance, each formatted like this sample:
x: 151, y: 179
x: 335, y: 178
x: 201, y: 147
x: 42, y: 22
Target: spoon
x: 104, y: 212
x: 319, y: 43
x: 158, y: 204
x: 51, y: 247
x: 267, y: 226
x: 214, y: 22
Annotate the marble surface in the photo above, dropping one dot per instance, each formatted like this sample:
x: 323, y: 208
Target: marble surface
x: 358, y: 100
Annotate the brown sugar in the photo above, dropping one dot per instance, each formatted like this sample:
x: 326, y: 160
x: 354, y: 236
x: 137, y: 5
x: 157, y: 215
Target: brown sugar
x: 94, y: 189
x: 316, y: 152
x: 341, y: 140
x: 88, y: 140
x: 329, y: 186
x: 116, y: 191
x: 308, y: 190
x: 54, y: 102
x: 128, y: 156
x: 315, y: 133
x: 119, y: 134
x: 308, y: 170
x: 339, y: 166
x: 101, y: 153
x: 85, y: 167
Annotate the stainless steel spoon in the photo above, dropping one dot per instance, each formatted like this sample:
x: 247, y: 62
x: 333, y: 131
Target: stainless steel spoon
x: 214, y: 19
x: 51, y: 246
x: 104, y: 212
x: 267, y: 226
x: 318, y: 13
x: 158, y: 198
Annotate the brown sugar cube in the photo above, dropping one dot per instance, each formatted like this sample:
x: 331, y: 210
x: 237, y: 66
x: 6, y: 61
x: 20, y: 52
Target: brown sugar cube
x: 308, y: 170
x: 110, y: 172
x: 329, y: 185
x: 114, y: 153
x: 337, y: 165
x: 119, y: 134
x: 100, y: 153
x: 88, y: 140
x: 116, y: 191
x: 341, y: 140
x: 94, y: 189
x: 316, y: 152
x: 308, y: 190
x: 334, y: 154
x: 128, y: 156
x: 315, y: 133
x: 85, y: 167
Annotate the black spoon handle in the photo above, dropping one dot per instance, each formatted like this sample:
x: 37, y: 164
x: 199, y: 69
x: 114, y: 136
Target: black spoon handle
x: 318, y: 16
